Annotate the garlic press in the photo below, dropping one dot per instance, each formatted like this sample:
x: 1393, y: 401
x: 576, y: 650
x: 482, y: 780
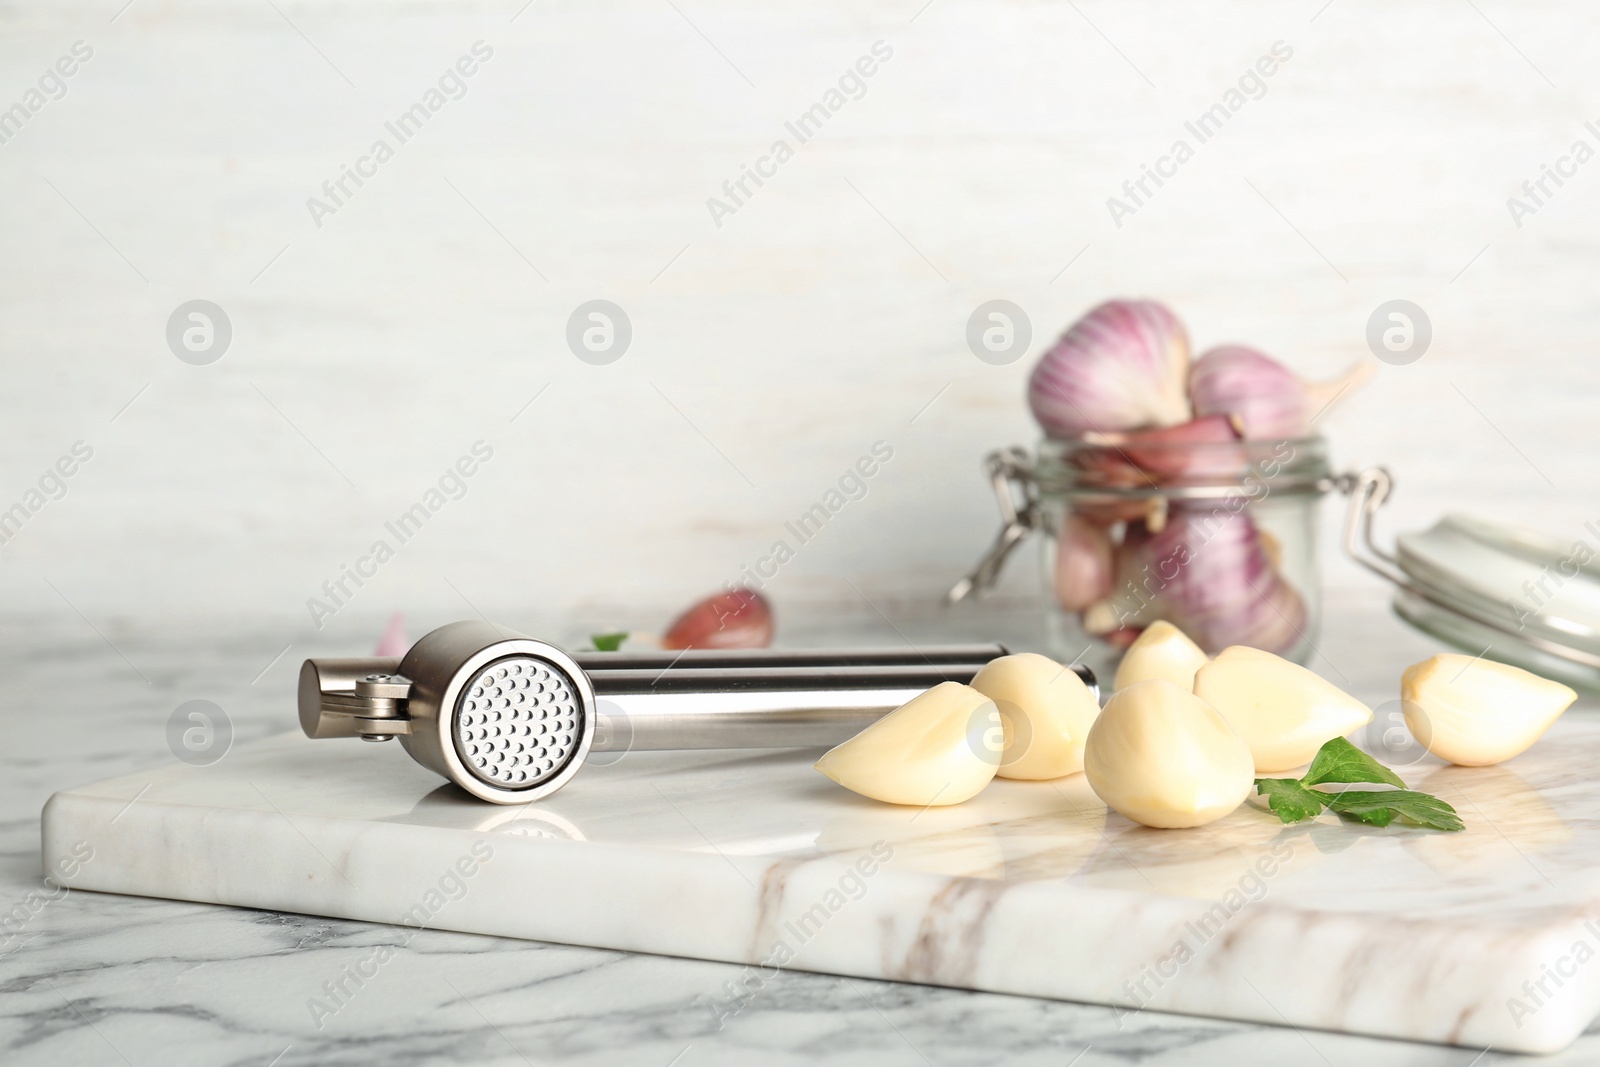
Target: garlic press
x: 511, y: 719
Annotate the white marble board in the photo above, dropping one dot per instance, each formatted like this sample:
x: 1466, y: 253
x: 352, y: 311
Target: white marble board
x: 1481, y: 939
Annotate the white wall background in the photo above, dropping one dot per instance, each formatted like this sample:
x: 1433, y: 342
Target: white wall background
x: 807, y: 326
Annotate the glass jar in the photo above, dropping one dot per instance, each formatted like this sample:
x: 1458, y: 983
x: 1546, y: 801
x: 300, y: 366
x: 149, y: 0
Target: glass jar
x: 1219, y: 539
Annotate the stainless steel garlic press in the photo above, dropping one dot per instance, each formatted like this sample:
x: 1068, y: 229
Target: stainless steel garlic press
x: 511, y: 719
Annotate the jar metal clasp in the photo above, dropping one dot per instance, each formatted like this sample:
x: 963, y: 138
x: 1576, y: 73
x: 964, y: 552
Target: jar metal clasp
x: 1010, y: 472
x: 1369, y: 491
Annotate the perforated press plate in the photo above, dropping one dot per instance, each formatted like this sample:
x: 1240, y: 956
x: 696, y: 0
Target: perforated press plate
x: 518, y: 722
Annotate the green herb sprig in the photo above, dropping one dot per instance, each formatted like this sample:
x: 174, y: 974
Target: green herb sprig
x: 608, y: 642
x: 1340, y: 763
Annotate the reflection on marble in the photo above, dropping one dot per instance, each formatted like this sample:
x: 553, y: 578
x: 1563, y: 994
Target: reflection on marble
x: 97, y: 978
x: 1031, y: 888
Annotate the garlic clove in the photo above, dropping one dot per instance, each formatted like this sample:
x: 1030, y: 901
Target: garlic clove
x: 940, y: 747
x: 1083, y: 563
x: 1283, y: 711
x: 1162, y: 651
x: 1134, y: 599
x: 1475, y: 711
x: 1045, y: 713
x: 1206, y: 447
x: 738, y: 618
x: 1163, y: 757
x: 1124, y: 365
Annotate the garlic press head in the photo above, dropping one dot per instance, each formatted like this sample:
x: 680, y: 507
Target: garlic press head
x: 506, y: 717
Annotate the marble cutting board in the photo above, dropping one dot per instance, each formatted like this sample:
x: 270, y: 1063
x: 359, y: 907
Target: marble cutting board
x: 1487, y: 938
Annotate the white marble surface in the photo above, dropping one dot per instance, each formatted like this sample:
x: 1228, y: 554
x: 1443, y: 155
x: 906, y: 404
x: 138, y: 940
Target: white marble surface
x: 98, y: 978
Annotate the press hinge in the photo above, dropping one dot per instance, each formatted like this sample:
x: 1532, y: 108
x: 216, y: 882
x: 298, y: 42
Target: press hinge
x: 377, y: 705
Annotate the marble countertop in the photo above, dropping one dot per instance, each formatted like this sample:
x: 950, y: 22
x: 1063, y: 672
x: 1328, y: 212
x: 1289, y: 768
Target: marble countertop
x: 90, y: 978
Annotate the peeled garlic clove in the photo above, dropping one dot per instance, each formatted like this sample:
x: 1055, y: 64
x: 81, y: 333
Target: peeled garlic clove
x: 738, y: 618
x: 1163, y: 757
x: 1083, y: 563
x: 1476, y: 712
x: 941, y: 747
x: 1162, y: 651
x: 1122, y: 366
x: 1045, y: 713
x: 1283, y: 711
x: 1272, y: 401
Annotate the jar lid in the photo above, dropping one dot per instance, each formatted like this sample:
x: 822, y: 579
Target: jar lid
x: 1489, y: 588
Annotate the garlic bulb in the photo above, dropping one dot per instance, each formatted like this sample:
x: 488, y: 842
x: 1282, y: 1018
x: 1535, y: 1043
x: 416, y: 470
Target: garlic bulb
x: 1229, y: 593
x: 1475, y: 711
x: 1120, y: 367
x: 738, y: 618
x: 1272, y: 402
x: 1083, y: 563
x: 1163, y: 757
x: 1045, y: 711
x: 1162, y: 651
x: 1283, y: 711
x: 1207, y: 571
x: 940, y: 747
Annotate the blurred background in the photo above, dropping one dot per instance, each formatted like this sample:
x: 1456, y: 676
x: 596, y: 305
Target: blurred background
x: 370, y: 337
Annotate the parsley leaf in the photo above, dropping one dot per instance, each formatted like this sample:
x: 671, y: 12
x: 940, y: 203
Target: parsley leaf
x: 1340, y: 761
x: 1291, y: 800
x: 608, y: 642
x: 1377, y: 817
x: 1418, y: 809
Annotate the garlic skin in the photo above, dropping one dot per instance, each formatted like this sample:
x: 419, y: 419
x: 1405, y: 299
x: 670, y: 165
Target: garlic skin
x: 1272, y: 401
x: 1163, y: 757
x: 1476, y: 712
x: 940, y: 747
x: 1045, y: 711
x: 1283, y: 711
x: 1208, y: 571
x: 1122, y: 366
x: 1214, y: 579
x: 394, y: 642
x: 1122, y: 637
x: 738, y: 618
x: 1083, y: 563
x: 1206, y: 447
x: 1162, y: 651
